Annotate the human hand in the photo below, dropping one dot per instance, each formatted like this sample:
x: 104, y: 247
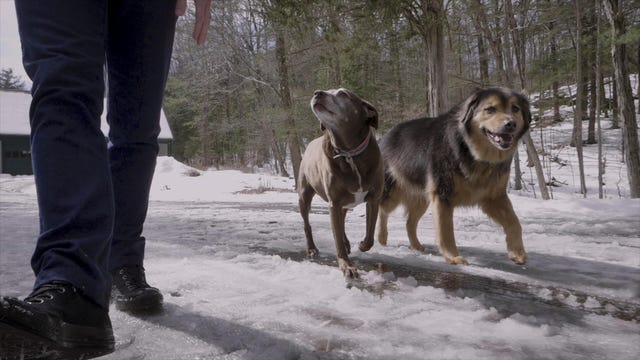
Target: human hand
x: 203, y: 18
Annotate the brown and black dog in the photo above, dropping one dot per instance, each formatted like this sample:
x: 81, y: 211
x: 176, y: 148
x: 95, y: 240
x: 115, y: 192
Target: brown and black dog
x: 344, y: 167
x: 461, y: 158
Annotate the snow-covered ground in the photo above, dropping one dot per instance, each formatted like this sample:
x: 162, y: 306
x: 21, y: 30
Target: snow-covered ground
x: 230, y: 260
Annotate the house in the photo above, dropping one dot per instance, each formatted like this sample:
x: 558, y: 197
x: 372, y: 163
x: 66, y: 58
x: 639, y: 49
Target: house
x: 15, y: 149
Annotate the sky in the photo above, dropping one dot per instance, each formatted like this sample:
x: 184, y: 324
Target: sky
x: 10, y: 53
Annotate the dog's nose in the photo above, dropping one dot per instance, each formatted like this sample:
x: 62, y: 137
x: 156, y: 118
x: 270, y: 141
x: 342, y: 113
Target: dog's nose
x: 318, y: 93
x: 509, y: 125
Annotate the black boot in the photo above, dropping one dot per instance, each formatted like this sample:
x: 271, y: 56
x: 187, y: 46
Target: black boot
x: 55, y: 322
x: 132, y: 293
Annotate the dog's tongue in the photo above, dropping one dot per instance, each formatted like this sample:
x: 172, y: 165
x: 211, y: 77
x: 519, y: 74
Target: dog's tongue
x: 502, y: 139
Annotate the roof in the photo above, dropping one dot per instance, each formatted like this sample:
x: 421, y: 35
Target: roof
x: 14, y: 116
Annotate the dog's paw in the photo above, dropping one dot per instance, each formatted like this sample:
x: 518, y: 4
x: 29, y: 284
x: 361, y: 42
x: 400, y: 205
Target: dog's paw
x: 348, y: 269
x: 312, y: 253
x: 419, y: 247
x: 457, y: 260
x: 518, y: 257
x: 382, y: 239
x: 365, y: 246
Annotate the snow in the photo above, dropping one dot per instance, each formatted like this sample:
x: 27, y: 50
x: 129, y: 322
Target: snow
x: 227, y: 250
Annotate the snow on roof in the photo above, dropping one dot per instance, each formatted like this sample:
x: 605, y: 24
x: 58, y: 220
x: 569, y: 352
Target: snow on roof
x: 14, y: 116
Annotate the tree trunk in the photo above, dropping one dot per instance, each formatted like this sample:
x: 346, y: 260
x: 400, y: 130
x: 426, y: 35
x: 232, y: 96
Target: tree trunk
x: 285, y: 98
x: 591, y: 73
x: 495, y: 44
x: 518, y: 44
x: 533, y: 157
x: 615, y: 109
x: 517, y: 40
x: 591, y: 135
x: 613, y: 10
x: 555, y: 87
x: 203, y: 129
x: 599, y: 93
x: 577, y: 121
x: 280, y: 158
x: 484, y: 61
x: 394, y: 51
x: 437, y: 87
x: 508, y: 64
x: 604, y: 105
x: 555, y: 84
x: 517, y: 176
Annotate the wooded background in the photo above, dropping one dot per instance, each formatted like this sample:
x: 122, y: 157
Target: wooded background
x: 242, y: 99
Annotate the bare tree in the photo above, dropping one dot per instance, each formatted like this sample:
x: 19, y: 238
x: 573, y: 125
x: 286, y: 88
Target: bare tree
x: 428, y: 18
x: 579, y: 113
x: 598, y: 103
x: 613, y: 10
x: 519, y: 45
x: 285, y: 97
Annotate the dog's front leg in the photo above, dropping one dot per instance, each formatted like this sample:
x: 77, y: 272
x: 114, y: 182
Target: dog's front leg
x: 304, y: 204
x: 443, y: 223
x: 336, y: 214
x: 372, y: 217
x: 347, y: 244
x: 501, y: 211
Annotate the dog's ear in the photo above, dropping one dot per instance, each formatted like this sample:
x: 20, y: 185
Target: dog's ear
x: 371, y: 113
x: 469, y: 106
x: 525, y: 108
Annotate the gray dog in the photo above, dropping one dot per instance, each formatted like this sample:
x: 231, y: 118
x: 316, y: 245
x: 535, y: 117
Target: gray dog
x: 344, y: 167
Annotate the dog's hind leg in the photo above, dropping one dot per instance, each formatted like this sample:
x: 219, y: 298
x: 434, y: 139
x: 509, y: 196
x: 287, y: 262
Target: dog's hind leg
x: 415, y: 211
x: 387, y: 205
x: 501, y: 211
x: 372, y: 215
x: 443, y: 223
x: 383, y: 231
x: 304, y: 202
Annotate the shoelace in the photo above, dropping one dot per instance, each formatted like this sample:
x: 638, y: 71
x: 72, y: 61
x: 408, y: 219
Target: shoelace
x: 43, y: 293
x: 133, y: 277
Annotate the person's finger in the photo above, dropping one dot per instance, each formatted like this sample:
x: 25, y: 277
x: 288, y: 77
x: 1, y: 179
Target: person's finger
x: 203, y: 19
x: 181, y: 7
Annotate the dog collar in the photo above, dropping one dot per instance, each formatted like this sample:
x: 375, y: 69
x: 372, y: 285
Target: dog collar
x: 355, y: 151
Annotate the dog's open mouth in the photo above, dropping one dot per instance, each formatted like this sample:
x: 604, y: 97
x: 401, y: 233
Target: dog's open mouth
x: 501, y: 140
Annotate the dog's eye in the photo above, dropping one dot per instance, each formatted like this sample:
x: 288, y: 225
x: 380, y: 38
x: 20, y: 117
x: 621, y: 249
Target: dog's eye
x: 490, y: 110
x: 515, y: 109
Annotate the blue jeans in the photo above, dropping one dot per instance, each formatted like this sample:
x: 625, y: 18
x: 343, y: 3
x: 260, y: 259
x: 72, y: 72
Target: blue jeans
x: 93, y: 194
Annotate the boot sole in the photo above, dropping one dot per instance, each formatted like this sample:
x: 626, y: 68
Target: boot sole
x: 144, y: 303
x: 17, y: 344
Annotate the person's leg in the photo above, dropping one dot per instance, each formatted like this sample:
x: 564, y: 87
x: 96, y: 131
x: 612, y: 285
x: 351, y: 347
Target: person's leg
x: 63, y: 54
x: 139, y: 49
x: 67, y: 314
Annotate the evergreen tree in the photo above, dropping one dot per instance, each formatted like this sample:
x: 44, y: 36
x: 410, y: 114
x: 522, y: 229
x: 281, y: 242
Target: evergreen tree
x: 10, y: 81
